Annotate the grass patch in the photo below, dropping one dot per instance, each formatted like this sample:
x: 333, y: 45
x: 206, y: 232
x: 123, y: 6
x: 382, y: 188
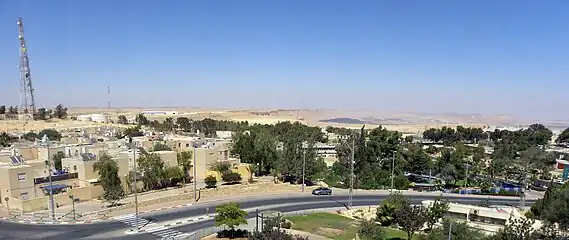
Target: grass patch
x: 334, y: 226
x: 329, y: 225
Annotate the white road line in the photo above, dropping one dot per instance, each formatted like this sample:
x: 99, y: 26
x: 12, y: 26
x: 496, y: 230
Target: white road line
x: 161, y: 231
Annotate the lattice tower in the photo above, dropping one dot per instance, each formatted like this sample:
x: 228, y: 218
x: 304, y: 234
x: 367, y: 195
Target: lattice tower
x: 27, y: 100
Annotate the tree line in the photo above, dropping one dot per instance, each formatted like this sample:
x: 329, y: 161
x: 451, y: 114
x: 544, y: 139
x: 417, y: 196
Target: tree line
x: 43, y: 113
x: 284, y: 148
x: 535, y: 134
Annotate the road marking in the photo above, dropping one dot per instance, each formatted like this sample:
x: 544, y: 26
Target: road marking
x: 161, y: 231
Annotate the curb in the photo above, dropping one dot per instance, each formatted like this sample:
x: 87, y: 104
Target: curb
x: 52, y: 223
x: 166, y: 208
x: 170, y: 225
x: 87, y: 221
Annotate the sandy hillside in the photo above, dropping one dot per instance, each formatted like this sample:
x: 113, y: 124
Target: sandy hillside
x: 404, y: 122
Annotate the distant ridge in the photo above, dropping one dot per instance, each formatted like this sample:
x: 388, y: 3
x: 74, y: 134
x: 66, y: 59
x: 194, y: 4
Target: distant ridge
x: 343, y: 120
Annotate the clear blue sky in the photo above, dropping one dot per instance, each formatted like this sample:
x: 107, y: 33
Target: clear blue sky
x: 507, y: 56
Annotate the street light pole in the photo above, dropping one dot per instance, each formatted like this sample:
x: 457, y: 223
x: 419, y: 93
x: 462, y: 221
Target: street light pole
x: 303, y: 167
x: 352, y: 161
x: 195, y: 176
x: 135, y: 187
x: 45, y: 142
x: 73, y: 204
x: 8, y: 207
x: 392, y: 169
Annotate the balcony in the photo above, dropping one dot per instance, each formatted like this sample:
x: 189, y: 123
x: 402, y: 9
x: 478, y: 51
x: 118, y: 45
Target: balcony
x: 55, y: 178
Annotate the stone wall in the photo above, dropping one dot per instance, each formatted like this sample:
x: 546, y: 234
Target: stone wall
x: 227, y: 190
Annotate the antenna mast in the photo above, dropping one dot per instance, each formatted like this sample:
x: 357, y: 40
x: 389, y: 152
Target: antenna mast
x: 109, y: 95
x: 27, y: 100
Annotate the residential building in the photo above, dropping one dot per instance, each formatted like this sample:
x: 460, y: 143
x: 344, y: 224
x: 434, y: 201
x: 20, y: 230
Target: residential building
x: 327, y: 152
x: 486, y: 219
x: 224, y: 134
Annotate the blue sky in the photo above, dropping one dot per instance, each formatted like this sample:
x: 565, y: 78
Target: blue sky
x: 490, y: 57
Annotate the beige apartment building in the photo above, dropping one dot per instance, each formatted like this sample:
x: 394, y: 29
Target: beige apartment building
x: 207, y: 151
x: 24, y: 175
x: 24, y: 172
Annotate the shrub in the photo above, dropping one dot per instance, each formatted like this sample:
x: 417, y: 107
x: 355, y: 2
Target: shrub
x: 231, y: 177
x: 210, y: 181
x: 369, y: 230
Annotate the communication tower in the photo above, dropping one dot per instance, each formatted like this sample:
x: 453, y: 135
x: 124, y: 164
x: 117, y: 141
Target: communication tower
x: 27, y: 100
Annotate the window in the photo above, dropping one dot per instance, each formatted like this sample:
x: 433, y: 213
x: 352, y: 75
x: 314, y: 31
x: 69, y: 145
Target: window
x: 187, y: 145
x: 24, y: 196
x: 21, y: 177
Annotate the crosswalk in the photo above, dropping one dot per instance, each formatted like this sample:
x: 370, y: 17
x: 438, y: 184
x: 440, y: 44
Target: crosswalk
x: 149, y: 227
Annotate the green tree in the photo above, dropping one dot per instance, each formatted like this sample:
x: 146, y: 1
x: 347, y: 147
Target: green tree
x: 369, y: 230
x: 108, y: 172
x: 184, y: 160
x: 13, y: 110
x: 459, y: 231
x: 173, y: 175
x: 184, y: 123
x: 558, y: 211
x: 3, y: 109
x: 436, y: 211
x: 152, y: 168
x: 133, y: 131
x: 57, y: 160
x: 230, y: 215
x: 52, y: 134
x: 210, y: 181
x: 30, y: 136
x: 231, y: 177
x: 122, y: 119
x: 141, y: 119
x: 5, y: 139
x: 220, y: 167
x: 41, y: 114
x: 60, y: 111
x: 418, y: 160
x: 256, y: 147
x: 517, y: 228
x: 161, y: 147
x: 386, y: 211
x: 411, y: 219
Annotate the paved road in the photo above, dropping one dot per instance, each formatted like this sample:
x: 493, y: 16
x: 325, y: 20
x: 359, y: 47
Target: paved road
x: 291, y: 203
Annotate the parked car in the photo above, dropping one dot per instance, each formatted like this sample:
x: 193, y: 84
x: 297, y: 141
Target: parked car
x: 322, y: 191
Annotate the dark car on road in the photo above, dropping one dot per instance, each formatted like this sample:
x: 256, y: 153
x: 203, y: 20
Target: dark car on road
x: 322, y: 191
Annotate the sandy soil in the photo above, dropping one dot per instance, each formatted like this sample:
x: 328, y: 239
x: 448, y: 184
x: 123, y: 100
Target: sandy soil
x: 407, y: 123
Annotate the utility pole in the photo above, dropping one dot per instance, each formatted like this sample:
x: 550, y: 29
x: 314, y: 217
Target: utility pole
x: 303, y: 167
x: 392, y: 169
x: 352, y: 161
x: 45, y: 142
x: 195, y: 176
x: 466, y: 175
x: 523, y: 187
x: 135, y: 187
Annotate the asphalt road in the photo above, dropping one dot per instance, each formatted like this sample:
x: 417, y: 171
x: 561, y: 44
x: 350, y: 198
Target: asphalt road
x: 116, y: 230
